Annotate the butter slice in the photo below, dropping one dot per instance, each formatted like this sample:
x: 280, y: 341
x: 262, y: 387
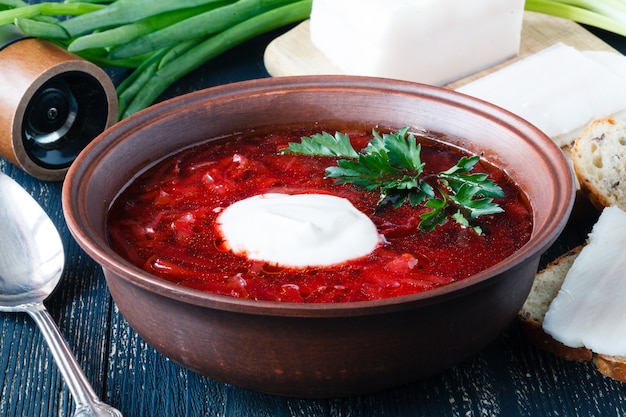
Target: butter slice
x: 559, y: 89
x: 590, y: 308
x: 427, y: 41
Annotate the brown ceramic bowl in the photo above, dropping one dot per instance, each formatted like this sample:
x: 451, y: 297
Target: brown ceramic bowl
x: 330, y: 349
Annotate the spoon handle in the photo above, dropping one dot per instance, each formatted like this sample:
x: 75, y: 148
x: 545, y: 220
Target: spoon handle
x: 87, y: 402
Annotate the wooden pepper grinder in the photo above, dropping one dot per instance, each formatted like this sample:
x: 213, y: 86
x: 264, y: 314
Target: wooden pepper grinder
x: 52, y: 104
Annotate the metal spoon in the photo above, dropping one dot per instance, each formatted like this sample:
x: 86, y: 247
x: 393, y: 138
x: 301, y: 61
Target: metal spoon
x: 31, y: 263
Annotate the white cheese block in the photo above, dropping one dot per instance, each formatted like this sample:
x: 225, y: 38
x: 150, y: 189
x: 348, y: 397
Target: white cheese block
x: 559, y: 89
x: 427, y: 41
x: 590, y: 308
x: 298, y: 231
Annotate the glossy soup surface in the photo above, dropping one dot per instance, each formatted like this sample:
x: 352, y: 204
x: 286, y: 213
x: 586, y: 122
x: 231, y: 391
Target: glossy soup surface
x: 164, y: 223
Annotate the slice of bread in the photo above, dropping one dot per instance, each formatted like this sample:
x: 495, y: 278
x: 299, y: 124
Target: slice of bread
x: 545, y: 287
x: 599, y: 161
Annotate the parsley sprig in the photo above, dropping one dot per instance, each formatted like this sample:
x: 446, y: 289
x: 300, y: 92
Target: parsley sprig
x: 392, y: 164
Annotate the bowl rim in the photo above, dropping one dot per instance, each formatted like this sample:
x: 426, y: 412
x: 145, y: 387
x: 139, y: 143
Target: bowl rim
x: 98, y: 249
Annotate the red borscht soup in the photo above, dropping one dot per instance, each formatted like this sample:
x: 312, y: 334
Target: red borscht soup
x: 166, y: 222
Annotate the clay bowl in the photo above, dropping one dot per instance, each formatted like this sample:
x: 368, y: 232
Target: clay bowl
x: 318, y: 350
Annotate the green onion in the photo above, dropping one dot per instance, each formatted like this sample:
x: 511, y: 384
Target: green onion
x: 201, y: 25
x: 100, y: 57
x: 47, y: 9
x: 122, y: 34
x: 214, y: 46
x: 126, y: 11
x: 609, y: 15
x: 13, y: 3
x: 139, y: 79
x: 40, y: 29
x: 89, y: 1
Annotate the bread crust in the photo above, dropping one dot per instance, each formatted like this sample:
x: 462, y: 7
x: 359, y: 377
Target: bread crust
x: 546, y: 285
x: 538, y: 337
x: 599, y: 162
x: 611, y: 366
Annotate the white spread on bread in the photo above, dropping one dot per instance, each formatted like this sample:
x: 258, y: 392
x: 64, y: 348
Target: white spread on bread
x: 559, y: 89
x: 590, y: 308
x: 427, y: 41
x: 297, y: 230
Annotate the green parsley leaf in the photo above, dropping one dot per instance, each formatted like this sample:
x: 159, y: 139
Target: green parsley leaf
x: 462, y: 220
x: 324, y: 144
x: 392, y: 163
x: 456, y: 176
x: 435, y: 217
x: 402, y: 151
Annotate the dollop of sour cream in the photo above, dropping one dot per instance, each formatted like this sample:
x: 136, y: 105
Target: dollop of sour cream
x: 297, y: 230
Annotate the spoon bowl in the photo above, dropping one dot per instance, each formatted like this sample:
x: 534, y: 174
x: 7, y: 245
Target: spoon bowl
x: 31, y: 265
x: 31, y: 251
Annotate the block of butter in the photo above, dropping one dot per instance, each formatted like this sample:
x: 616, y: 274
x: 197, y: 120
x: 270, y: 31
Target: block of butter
x: 428, y: 41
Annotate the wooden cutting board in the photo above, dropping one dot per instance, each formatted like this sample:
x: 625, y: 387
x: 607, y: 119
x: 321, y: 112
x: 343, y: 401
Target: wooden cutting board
x: 294, y: 54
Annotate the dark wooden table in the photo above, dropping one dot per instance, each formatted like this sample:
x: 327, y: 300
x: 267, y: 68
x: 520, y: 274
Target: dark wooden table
x: 510, y: 377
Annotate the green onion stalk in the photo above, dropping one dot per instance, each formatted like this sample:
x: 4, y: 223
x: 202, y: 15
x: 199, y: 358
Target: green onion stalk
x: 609, y: 15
